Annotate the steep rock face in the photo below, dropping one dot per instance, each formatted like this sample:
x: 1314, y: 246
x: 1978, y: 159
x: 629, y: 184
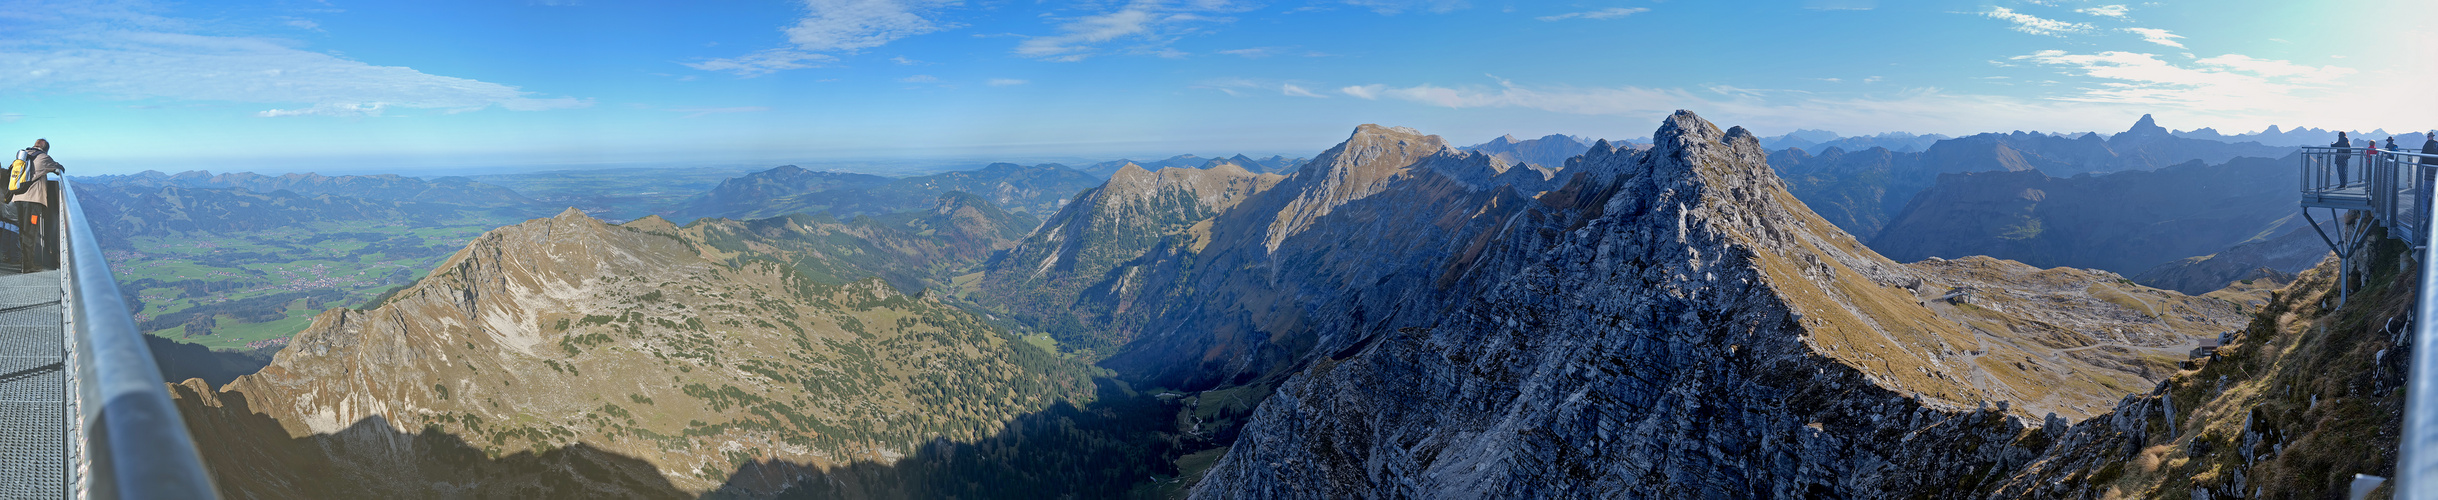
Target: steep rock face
x: 1675, y: 324
x: 1373, y: 231
x: 642, y: 341
x: 2124, y: 222
x: 1088, y: 244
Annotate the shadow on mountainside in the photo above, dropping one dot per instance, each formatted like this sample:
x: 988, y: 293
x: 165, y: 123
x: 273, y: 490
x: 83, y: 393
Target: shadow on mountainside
x: 1116, y: 446
x: 179, y: 361
x: 1113, y: 447
x: 252, y: 456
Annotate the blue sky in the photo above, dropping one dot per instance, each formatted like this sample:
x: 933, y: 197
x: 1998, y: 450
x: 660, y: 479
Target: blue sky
x: 425, y: 86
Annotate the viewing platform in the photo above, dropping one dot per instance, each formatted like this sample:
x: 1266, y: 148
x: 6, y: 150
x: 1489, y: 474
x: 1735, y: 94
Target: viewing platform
x: 83, y: 411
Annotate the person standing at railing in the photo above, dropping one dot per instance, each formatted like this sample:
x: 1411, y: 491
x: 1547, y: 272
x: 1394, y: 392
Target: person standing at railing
x: 2344, y: 155
x: 2429, y: 170
x: 33, y: 194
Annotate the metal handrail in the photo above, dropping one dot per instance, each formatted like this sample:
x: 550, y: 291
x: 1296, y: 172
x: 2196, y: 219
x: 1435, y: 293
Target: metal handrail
x: 2417, y: 450
x: 135, y: 442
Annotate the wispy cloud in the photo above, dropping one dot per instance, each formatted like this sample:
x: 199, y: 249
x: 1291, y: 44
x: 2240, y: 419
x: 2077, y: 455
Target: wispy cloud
x: 2157, y: 36
x: 1005, y: 82
x: 10, y: 117
x: 2115, y: 11
x: 903, y: 61
x: 2028, y: 23
x: 701, y: 112
x: 131, y: 64
x: 1298, y: 91
x: 919, y: 79
x: 1254, y: 53
x: 765, y: 62
x: 1079, y: 38
x: 1608, y: 13
x: 1394, y: 7
x: 2229, y: 82
x: 834, y: 27
x: 304, y: 24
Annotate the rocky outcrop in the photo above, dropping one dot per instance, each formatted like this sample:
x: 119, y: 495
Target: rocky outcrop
x: 1675, y: 324
x: 685, y: 350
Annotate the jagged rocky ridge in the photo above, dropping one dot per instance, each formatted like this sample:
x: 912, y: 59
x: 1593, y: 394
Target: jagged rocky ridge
x: 1670, y: 323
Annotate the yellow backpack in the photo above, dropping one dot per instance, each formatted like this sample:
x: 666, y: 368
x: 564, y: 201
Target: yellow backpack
x: 18, y: 169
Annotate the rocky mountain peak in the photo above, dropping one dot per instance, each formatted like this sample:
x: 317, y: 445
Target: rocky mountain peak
x: 2146, y: 127
x: 1367, y: 161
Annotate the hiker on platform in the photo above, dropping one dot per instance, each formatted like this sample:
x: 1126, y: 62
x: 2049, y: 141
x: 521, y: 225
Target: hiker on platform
x: 35, y: 197
x: 2344, y: 155
x: 2429, y: 168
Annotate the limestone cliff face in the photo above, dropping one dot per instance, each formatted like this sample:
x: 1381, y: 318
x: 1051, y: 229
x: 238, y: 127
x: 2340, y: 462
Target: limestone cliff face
x: 1675, y: 324
x: 1080, y: 268
x: 643, y: 341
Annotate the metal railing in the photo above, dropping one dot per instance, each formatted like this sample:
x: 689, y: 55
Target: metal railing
x: 2393, y: 190
x: 132, y: 442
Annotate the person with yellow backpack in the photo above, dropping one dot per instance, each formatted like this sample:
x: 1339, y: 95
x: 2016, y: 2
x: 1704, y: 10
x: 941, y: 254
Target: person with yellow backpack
x: 32, y: 194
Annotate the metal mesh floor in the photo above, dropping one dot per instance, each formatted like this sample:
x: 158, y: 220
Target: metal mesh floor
x: 33, y: 388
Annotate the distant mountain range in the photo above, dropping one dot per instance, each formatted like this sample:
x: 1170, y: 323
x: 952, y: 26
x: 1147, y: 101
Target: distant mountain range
x: 2126, y: 222
x: 1815, y: 141
x: 450, y: 190
x: 1861, y: 191
x: 1037, y: 189
x: 1275, y: 164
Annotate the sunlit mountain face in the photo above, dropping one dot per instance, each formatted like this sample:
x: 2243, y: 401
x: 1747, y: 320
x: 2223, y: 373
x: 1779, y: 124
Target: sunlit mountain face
x: 1226, y: 249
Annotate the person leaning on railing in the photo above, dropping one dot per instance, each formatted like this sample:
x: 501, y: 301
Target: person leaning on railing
x: 33, y: 197
x: 2344, y: 155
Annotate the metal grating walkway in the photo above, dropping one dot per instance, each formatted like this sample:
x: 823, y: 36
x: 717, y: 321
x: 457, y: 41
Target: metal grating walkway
x: 33, y: 388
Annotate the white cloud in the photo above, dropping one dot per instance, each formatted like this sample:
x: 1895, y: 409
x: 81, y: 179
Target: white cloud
x: 1254, y: 53
x: 1004, y: 82
x: 919, y: 79
x: 903, y: 61
x: 1608, y: 13
x: 328, y: 109
x: 10, y: 117
x: 765, y: 62
x: 2115, y: 11
x: 2028, y: 23
x: 2157, y: 36
x: 95, y: 59
x: 2228, y: 82
x: 1925, y: 109
x: 1873, y: 79
x: 304, y: 24
x: 834, y: 27
x: 700, y: 112
x: 1298, y: 91
x: 1074, y: 42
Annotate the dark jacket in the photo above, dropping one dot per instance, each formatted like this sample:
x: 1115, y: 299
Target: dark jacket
x: 2430, y: 147
x: 2344, y: 151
